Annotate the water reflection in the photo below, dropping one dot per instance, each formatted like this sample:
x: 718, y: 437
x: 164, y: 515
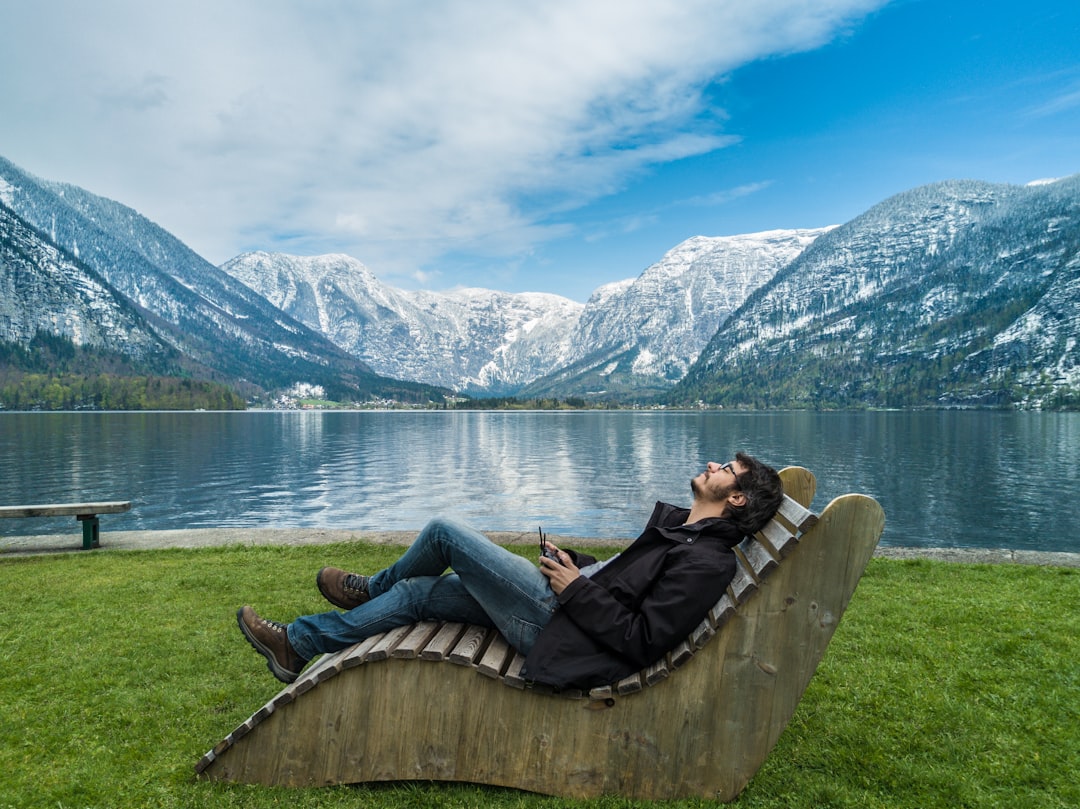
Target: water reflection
x: 944, y: 478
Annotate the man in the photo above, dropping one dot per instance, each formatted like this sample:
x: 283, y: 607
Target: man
x: 579, y: 623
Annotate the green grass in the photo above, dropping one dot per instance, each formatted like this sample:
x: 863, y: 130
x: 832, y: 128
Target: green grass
x: 945, y: 685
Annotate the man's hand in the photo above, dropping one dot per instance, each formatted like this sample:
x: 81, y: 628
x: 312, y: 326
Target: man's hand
x: 559, y: 573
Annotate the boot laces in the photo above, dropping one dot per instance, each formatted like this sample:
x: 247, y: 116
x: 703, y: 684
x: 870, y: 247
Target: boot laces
x: 356, y: 583
x: 277, y: 626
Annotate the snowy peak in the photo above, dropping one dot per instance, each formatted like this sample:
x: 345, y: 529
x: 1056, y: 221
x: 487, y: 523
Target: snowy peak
x: 644, y: 334
x: 473, y: 340
x: 958, y: 293
x: 486, y: 342
x: 219, y: 324
x: 941, y: 295
x: 314, y: 289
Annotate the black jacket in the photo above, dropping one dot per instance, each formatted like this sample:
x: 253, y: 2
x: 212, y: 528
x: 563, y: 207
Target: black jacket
x: 639, y: 606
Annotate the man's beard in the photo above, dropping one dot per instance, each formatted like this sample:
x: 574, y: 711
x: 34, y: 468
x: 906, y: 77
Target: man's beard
x: 701, y: 492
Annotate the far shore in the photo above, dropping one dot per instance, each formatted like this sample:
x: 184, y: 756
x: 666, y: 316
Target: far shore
x: 14, y: 546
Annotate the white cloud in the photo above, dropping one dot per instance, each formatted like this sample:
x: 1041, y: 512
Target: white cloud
x: 1063, y: 102
x: 724, y: 196
x: 393, y: 131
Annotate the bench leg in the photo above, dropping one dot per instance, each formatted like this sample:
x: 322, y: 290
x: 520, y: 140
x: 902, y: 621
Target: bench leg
x: 90, y: 531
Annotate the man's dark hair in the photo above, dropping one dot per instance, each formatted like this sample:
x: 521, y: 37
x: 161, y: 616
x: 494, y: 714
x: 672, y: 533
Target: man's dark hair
x: 764, y: 493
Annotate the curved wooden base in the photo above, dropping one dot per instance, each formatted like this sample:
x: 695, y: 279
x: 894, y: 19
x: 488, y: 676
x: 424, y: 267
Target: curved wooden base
x: 704, y: 731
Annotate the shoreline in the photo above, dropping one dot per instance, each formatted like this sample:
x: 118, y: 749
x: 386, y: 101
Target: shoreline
x: 44, y: 544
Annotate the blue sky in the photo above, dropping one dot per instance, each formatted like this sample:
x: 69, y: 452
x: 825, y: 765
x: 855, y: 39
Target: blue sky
x: 546, y: 147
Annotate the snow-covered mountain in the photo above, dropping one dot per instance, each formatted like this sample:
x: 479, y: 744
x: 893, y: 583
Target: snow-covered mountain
x: 632, y: 336
x: 471, y: 340
x: 644, y: 334
x: 955, y: 293
x: 207, y: 316
x: 43, y: 290
x: 960, y: 293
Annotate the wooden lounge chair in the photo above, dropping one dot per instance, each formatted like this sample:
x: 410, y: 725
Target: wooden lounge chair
x: 409, y: 704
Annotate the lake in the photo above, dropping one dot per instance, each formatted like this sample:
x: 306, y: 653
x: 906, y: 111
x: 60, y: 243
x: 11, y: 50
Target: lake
x: 944, y: 478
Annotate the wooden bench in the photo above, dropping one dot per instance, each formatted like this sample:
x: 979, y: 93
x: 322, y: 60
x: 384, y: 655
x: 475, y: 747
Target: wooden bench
x: 86, y: 513
x: 408, y: 704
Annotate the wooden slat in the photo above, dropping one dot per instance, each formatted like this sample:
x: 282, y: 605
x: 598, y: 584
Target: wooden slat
x: 759, y: 559
x: 702, y: 633
x: 471, y: 646
x: 799, y: 516
x: 206, y: 761
x: 783, y: 541
x: 329, y: 665
x: 601, y: 693
x: 631, y: 684
x: 302, y: 685
x: 723, y: 610
x: 262, y: 713
x: 355, y: 655
x: 681, y: 654
x: 389, y: 642
x: 445, y: 639
x: 496, y: 658
x: 242, y: 730
x: 284, y: 696
x: 742, y: 585
x: 657, y: 671
x: 513, y: 676
x: 743, y: 564
x: 413, y: 643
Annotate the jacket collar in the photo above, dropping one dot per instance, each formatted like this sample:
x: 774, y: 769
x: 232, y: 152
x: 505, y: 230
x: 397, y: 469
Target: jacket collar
x: 669, y: 521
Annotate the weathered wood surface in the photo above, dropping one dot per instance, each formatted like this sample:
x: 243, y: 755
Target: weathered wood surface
x: 698, y: 723
x: 65, y: 509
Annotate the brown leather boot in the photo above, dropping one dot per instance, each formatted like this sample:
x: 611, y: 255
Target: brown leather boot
x: 343, y: 589
x: 271, y: 641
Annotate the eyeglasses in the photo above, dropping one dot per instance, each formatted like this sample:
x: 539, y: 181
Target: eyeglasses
x: 729, y: 468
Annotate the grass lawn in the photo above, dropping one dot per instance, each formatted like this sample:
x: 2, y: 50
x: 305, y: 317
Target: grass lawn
x: 946, y: 685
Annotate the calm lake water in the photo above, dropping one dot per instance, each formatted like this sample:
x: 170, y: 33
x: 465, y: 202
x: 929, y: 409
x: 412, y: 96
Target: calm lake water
x: 975, y: 479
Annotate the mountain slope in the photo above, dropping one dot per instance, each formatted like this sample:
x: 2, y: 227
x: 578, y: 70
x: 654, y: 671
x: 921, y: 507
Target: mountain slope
x: 643, y: 335
x: 959, y: 293
x: 929, y: 298
x: 639, y: 335
x: 43, y: 290
x: 202, y: 312
x: 472, y: 340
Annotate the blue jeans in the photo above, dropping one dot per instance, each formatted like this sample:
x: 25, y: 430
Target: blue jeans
x: 489, y: 586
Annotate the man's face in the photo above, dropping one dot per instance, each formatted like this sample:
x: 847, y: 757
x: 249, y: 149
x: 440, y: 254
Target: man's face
x: 717, y: 481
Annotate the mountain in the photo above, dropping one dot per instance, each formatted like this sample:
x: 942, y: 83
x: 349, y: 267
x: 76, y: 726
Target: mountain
x: 633, y: 338
x: 959, y: 293
x: 471, y: 340
x: 43, y: 290
x: 203, y: 313
x: 641, y: 336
